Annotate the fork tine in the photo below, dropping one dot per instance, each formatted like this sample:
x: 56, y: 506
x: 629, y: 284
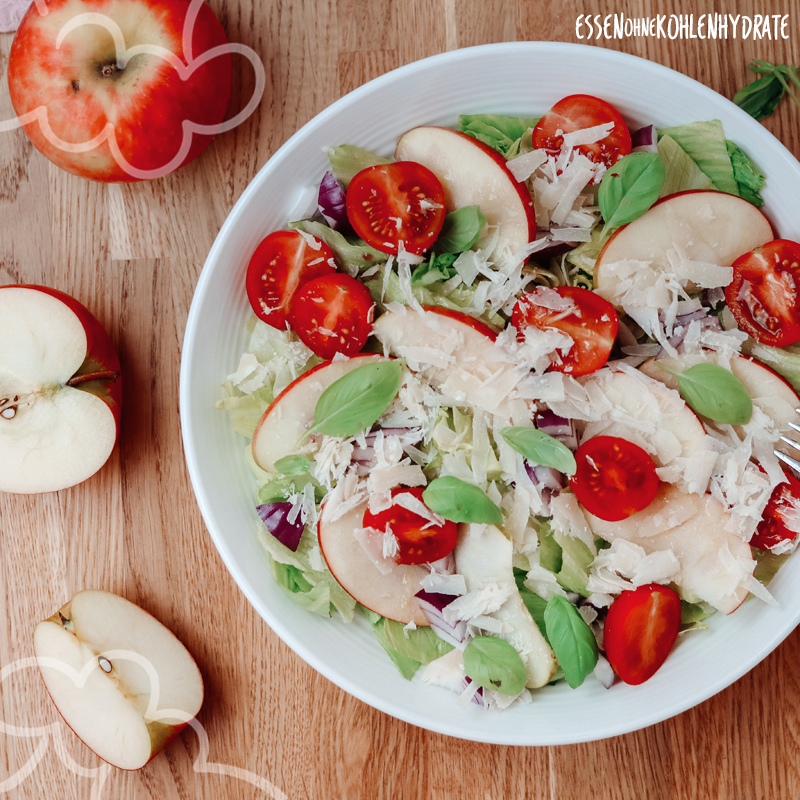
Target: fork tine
x: 791, y: 442
x: 794, y: 426
x: 788, y: 460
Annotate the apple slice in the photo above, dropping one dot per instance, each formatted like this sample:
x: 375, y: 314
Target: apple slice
x: 60, y: 391
x: 291, y: 413
x: 120, y: 679
x: 707, y: 226
x: 473, y: 174
x: 696, y: 542
x: 456, y: 353
x: 768, y: 390
x: 390, y: 595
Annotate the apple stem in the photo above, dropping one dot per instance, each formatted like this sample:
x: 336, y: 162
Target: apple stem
x: 105, y: 375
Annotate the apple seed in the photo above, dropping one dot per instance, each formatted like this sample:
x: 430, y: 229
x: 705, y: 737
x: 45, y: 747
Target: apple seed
x: 104, y: 663
x: 9, y: 413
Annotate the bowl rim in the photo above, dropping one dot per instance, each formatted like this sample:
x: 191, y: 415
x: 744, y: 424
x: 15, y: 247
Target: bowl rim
x: 194, y: 321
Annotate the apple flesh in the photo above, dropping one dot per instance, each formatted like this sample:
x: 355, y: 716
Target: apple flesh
x: 466, y: 343
x: 390, y: 595
x: 291, y: 414
x: 60, y: 391
x: 83, y: 86
x: 694, y: 528
x: 120, y: 679
x: 768, y: 390
x: 473, y: 174
x: 707, y: 226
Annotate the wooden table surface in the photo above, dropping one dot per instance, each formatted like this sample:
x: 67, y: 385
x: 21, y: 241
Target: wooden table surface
x: 133, y: 254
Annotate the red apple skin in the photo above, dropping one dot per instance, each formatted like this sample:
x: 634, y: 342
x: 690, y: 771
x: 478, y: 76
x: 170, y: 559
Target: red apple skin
x: 100, y: 349
x: 466, y: 319
x: 147, y: 102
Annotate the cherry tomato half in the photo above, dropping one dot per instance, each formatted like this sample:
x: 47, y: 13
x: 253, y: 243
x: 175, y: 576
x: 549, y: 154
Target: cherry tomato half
x: 580, y: 111
x: 764, y: 295
x: 333, y: 314
x: 281, y: 264
x: 389, y: 203
x: 772, y: 530
x: 641, y: 627
x: 593, y: 324
x: 614, y: 478
x: 420, y: 542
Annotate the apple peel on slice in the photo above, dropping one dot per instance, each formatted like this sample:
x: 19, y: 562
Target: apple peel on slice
x: 121, y: 680
x: 60, y: 391
x: 473, y: 174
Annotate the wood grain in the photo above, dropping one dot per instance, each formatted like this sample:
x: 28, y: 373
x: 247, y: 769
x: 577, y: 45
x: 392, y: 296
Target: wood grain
x: 132, y: 254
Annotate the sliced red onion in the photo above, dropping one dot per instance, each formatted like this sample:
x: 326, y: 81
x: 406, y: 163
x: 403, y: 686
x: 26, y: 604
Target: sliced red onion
x: 545, y: 477
x: 685, y: 319
x: 559, y: 428
x: 332, y: 203
x: 478, y: 697
x: 707, y: 322
x: 714, y: 297
x: 645, y: 140
x: 432, y: 606
x: 276, y: 517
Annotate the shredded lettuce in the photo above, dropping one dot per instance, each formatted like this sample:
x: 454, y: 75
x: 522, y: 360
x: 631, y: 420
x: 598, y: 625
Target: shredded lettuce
x: 436, y: 269
x: 784, y: 360
x: 550, y: 556
x: 244, y: 410
x: 407, y: 666
x: 576, y: 559
x: 584, y: 256
x: 316, y: 599
x: 705, y: 143
x: 421, y: 644
x: 347, y: 161
x: 693, y: 616
x: 501, y: 133
x: 352, y: 254
x: 767, y: 564
x: 683, y: 174
x: 748, y: 176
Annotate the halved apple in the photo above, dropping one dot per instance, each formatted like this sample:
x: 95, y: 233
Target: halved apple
x: 768, y: 390
x: 474, y: 174
x: 120, y: 679
x: 390, y: 595
x: 291, y: 413
x: 709, y: 226
x: 471, y: 366
x: 60, y: 391
x: 696, y: 542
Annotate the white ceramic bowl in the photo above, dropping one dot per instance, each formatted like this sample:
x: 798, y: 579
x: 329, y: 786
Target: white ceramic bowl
x: 524, y: 78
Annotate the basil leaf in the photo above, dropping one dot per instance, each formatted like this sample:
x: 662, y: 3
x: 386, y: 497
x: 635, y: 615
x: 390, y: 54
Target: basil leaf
x: 630, y: 187
x: 421, y: 644
x: 761, y: 97
x: 293, y: 465
x: 459, y: 501
x: 354, y: 402
x: 494, y: 664
x: 572, y: 640
x: 714, y: 392
x: 461, y: 229
x: 535, y: 604
x: 347, y: 161
x: 541, y: 448
x: 437, y: 268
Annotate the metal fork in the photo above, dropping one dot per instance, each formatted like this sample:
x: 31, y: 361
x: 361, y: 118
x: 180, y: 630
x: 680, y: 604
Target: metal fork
x: 788, y: 460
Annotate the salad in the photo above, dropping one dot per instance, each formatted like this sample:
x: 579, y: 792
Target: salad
x: 515, y: 396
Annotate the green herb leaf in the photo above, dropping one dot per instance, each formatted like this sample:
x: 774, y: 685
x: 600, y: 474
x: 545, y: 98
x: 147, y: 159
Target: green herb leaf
x: 459, y: 501
x: 572, y: 640
x: 435, y: 269
x: 551, y: 556
x: 683, y: 174
x: 494, y: 664
x: 421, y: 645
x: 347, y: 161
x: 461, y: 229
x: 714, y: 392
x: 750, y: 178
x: 407, y: 666
x: 630, y: 187
x: 693, y: 616
x: 293, y: 465
x: 541, y: 448
x: 761, y: 97
x: 767, y: 564
x: 499, y: 132
x: 535, y: 604
x: 354, y: 402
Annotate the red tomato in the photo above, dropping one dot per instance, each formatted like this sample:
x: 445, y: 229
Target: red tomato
x: 641, y: 627
x: 614, y: 479
x: 764, y: 294
x: 333, y: 314
x: 281, y: 264
x: 583, y: 111
x: 772, y: 530
x: 393, y: 202
x: 593, y: 325
x: 418, y: 544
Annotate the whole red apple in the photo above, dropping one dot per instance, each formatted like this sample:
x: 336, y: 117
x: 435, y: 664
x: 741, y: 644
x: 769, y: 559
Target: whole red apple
x: 60, y: 391
x: 106, y: 89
